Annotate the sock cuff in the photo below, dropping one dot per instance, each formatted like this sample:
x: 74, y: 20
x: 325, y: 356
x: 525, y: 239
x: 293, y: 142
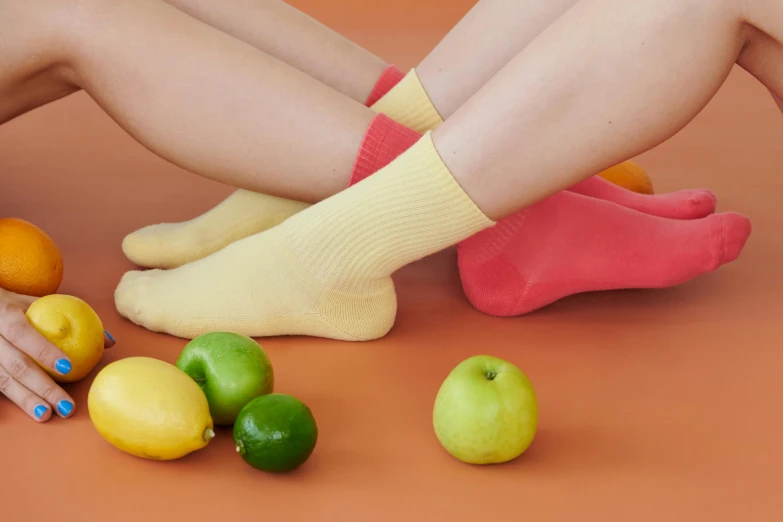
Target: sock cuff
x: 492, y: 242
x: 390, y: 77
x: 384, y: 140
x: 409, y: 104
x: 412, y: 208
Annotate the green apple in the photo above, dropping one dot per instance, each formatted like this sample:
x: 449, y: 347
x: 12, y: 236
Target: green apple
x: 232, y: 369
x: 485, y: 411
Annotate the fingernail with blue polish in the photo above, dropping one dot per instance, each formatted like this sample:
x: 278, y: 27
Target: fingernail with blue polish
x: 39, y: 411
x: 63, y: 366
x: 65, y: 408
x: 109, y: 336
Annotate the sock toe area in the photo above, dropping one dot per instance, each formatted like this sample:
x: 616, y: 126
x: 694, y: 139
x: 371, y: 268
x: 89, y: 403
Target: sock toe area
x: 683, y: 204
x: 171, y: 245
x: 155, y: 246
x: 736, y: 230
x: 129, y: 298
x: 703, y: 202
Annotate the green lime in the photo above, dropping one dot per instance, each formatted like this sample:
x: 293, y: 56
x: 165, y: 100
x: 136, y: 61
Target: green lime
x: 275, y: 433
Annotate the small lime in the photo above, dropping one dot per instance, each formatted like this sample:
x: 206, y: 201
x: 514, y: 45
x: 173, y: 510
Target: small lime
x: 275, y: 433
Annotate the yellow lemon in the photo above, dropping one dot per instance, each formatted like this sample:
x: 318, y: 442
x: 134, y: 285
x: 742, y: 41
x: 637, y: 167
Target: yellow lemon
x: 150, y: 409
x: 71, y: 325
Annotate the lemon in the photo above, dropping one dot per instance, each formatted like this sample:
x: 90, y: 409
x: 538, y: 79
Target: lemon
x: 150, y: 409
x: 72, y: 326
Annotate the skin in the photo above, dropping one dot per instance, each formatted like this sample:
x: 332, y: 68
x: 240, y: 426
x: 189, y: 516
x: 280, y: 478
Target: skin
x: 157, y: 113
x: 608, y: 96
x: 291, y: 36
x: 576, y: 100
x: 486, y: 39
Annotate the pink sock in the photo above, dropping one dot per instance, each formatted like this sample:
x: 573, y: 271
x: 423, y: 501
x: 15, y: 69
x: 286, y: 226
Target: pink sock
x: 390, y: 77
x: 571, y: 243
x: 684, y: 204
x: 384, y: 140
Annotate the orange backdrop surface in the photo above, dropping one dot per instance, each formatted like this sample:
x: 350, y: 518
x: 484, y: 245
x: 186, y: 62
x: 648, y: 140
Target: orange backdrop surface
x: 654, y: 405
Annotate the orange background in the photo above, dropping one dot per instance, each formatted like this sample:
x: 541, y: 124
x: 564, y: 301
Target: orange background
x: 655, y: 405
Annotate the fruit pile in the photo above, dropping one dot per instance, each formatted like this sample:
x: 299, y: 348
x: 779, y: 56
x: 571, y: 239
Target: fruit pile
x: 159, y: 411
x: 485, y: 411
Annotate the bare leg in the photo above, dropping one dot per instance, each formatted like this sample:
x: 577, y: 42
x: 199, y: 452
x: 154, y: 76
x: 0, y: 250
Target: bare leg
x: 272, y: 26
x: 492, y: 33
x: 27, y: 79
x: 294, y: 38
x: 582, y: 96
x: 763, y: 58
x: 171, y: 117
x: 227, y: 115
x: 548, y: 89
x: 485, y: 40
x: 557, y: 105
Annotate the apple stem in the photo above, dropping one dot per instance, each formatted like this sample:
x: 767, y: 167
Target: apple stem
x: 209, y: 434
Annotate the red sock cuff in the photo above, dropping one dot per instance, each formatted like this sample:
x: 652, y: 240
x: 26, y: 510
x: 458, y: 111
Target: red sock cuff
x: 384, y: 141
x: 390, y: 77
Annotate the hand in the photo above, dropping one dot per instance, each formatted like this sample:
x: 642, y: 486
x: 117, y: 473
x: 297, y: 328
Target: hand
x: 21, y: 379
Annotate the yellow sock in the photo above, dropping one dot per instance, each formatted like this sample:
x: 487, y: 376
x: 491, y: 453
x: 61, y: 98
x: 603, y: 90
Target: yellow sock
x: 409, y: 104
x: 324, y: 272
x: 169, y: 245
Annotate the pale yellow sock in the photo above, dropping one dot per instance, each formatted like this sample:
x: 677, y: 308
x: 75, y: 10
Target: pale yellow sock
x: 409, y: 104
x: 325, y: 271
x: 169, y: 245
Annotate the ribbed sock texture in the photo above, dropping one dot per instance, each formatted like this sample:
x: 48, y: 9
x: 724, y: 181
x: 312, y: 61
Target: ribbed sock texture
x: 170, y: 245
x: 509, y: 270
x: 384, y: 140
x: 409, y: 104
x: 403, y: 98
x: 570, y: 243
x: 506, y: 269
x: 325, y: 271
x: 390, y: 77
x: 411, y: 208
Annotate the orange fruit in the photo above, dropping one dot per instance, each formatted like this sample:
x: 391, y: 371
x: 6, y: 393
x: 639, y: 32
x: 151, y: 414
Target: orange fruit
x: 30, y: 262
x: 630, y: 176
